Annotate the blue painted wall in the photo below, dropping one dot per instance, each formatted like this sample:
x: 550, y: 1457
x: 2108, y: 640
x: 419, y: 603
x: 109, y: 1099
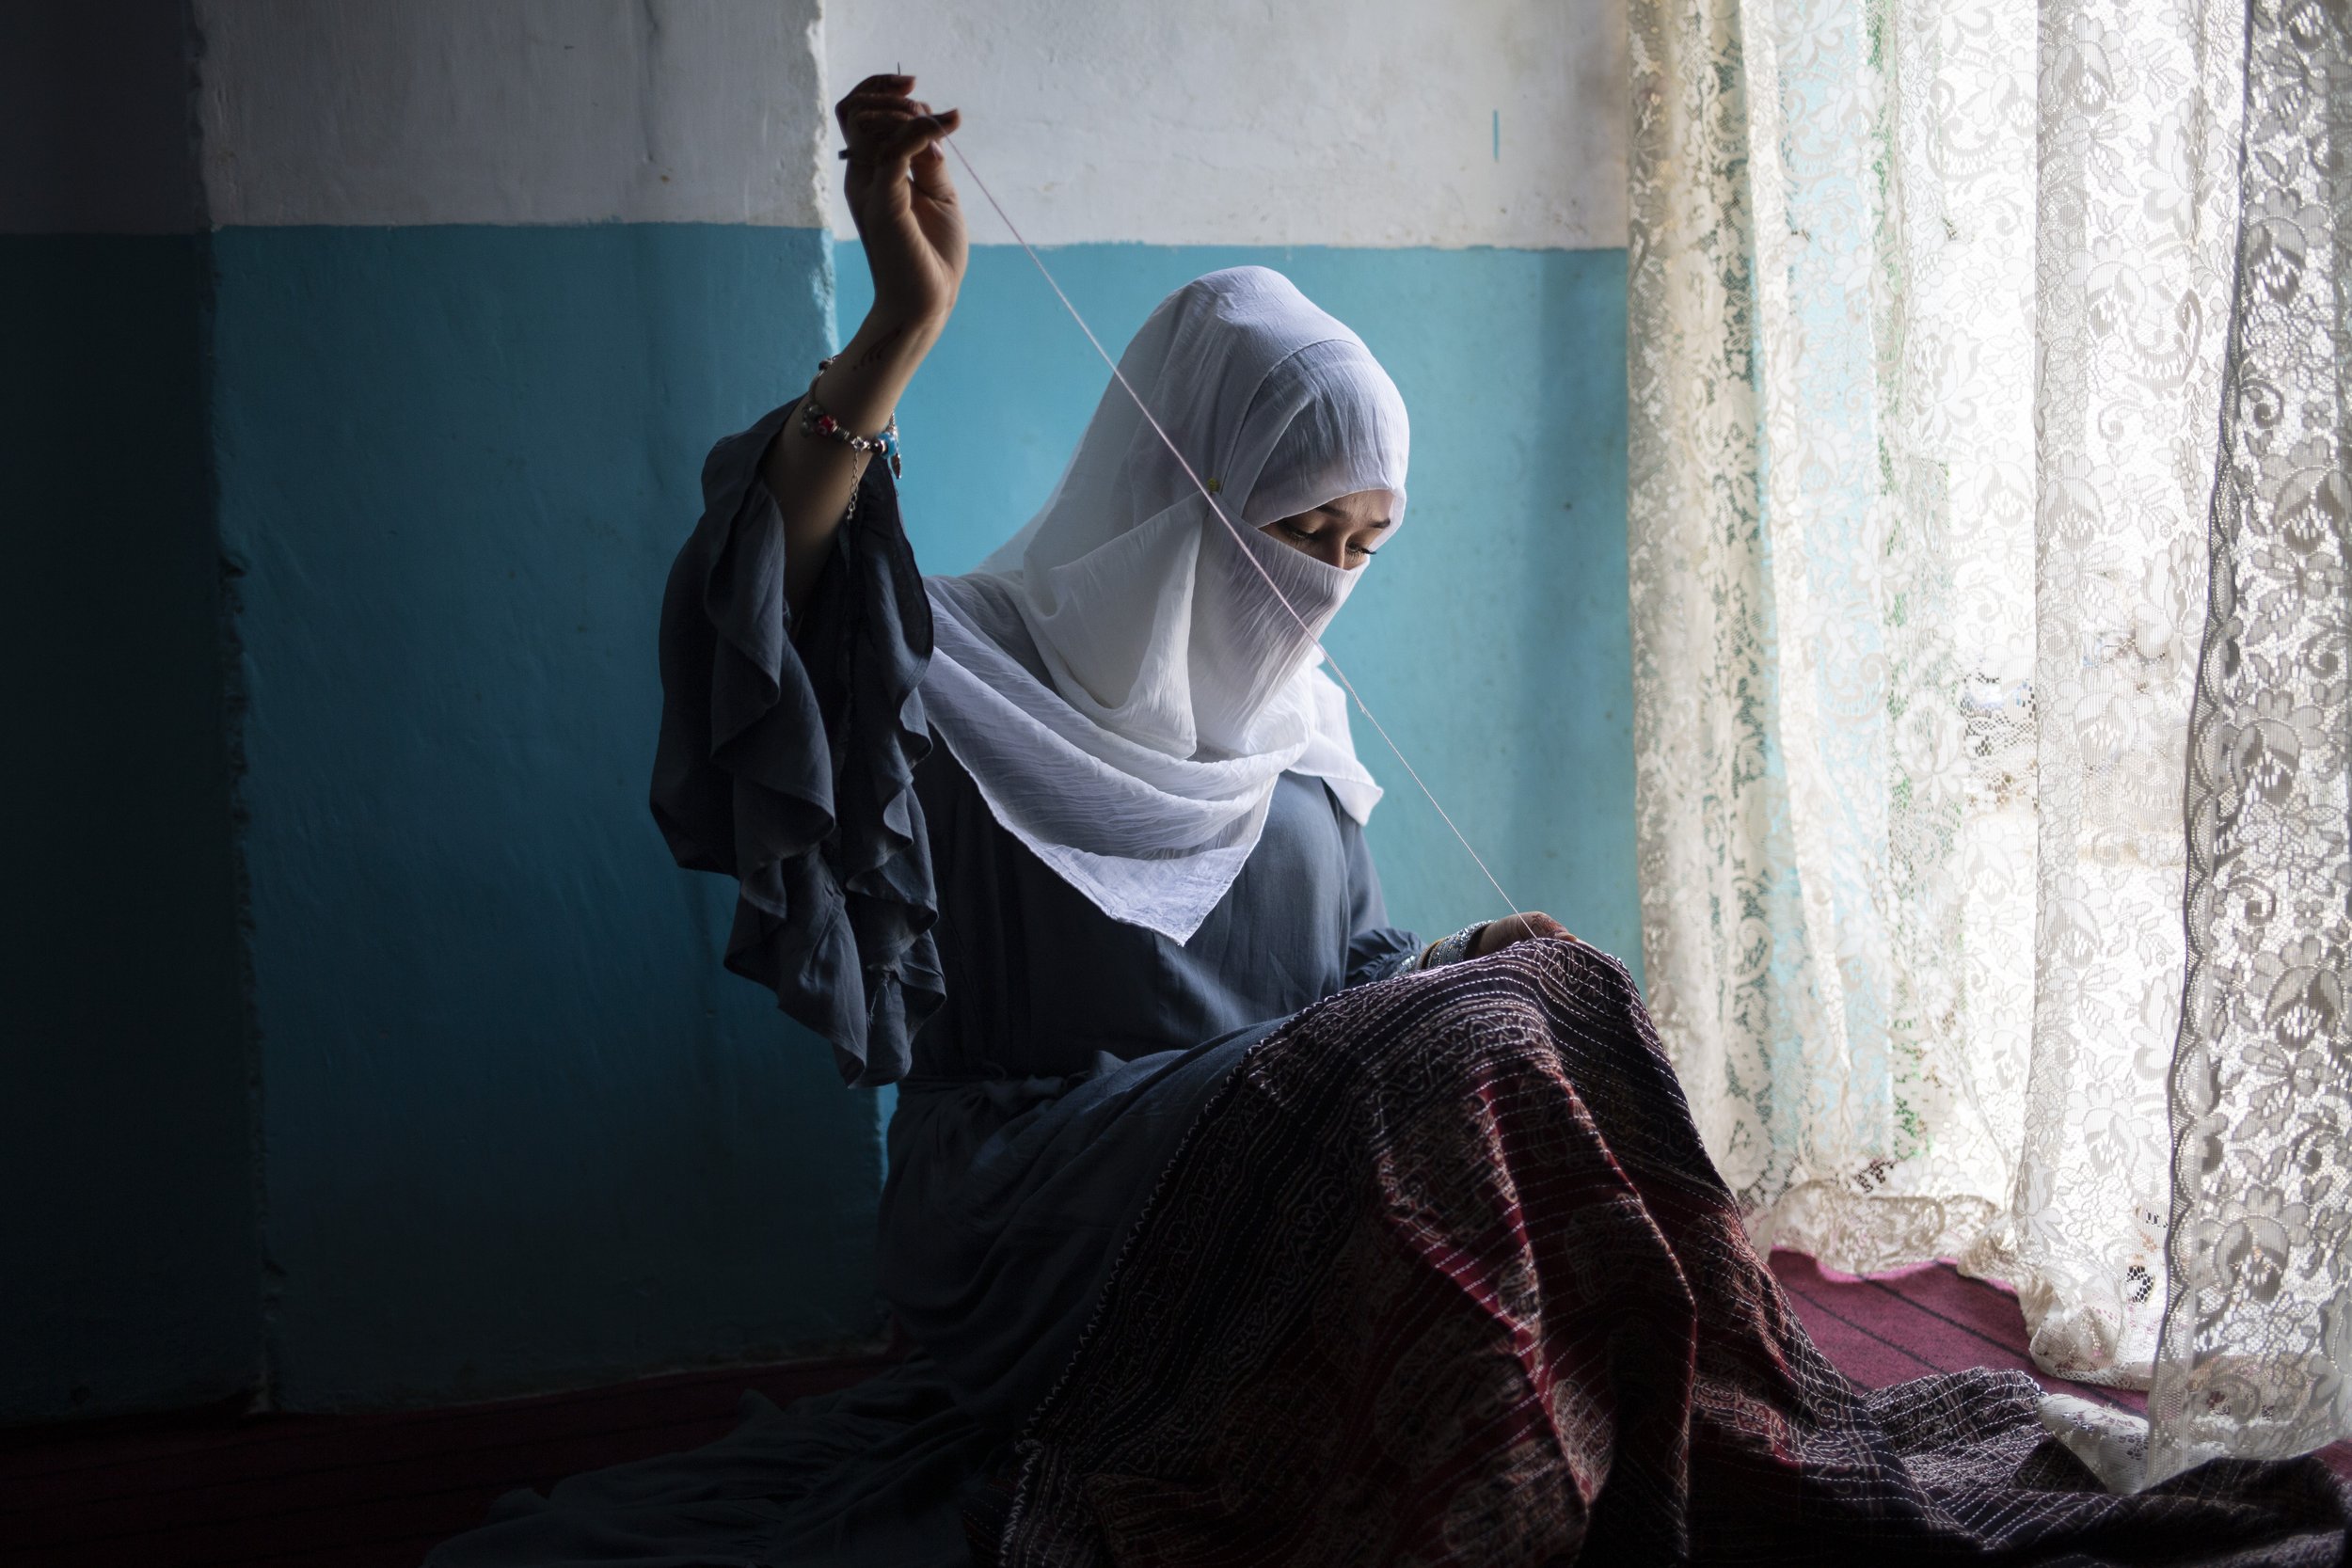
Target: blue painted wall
x: 359, y: 1043
x: 1491, y: 636
x: 517, y: 1128
x: 520, y: 1129
x: 129, y: 1274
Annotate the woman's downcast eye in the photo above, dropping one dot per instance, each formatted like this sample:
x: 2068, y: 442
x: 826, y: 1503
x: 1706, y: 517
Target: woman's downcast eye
x: 1314, y: 536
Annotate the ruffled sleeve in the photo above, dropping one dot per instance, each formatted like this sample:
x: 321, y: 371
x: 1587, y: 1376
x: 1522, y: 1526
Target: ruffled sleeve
x: 786, y: 757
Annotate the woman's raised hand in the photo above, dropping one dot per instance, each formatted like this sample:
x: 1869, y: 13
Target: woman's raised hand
x: 902, y: 200
x: 906, y: 212
x: 1500, y: 934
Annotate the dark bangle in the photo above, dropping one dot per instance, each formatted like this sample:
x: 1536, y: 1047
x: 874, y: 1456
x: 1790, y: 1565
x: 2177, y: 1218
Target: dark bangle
x: 1446, y: 950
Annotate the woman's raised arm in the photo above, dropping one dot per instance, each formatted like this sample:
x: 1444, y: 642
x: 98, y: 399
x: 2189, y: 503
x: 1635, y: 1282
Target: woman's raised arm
x: 913, y: 231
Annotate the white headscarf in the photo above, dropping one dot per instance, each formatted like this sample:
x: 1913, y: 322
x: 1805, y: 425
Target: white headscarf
x: 1176, y: 687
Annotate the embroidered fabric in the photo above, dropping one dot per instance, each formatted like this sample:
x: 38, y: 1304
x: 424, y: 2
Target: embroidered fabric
x: 1442, y: 1276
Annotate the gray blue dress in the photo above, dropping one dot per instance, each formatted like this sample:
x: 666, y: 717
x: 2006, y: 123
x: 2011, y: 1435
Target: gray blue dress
x: 1048, y: 1058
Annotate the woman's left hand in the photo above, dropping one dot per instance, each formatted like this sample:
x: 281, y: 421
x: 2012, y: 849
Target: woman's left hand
x: 1500, y: 934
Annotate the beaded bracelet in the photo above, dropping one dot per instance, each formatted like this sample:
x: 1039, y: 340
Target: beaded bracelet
x: 819, y: 425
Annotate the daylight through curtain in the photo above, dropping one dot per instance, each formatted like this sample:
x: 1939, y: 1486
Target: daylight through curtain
x: 1931, y: 314
x: 2256, y: 1355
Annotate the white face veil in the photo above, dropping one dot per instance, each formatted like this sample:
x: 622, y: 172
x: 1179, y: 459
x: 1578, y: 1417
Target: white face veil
x: 1118, y: 679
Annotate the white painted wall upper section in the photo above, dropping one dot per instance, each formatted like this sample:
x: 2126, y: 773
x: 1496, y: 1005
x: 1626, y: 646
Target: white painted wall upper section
x: 1340, y: 122
x: 512, y: 111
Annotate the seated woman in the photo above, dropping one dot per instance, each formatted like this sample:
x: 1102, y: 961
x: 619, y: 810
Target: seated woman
x: 1231, y: 1222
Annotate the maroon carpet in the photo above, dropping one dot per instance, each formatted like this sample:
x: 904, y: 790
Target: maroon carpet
x: 375, y: 1491
x: 1928, y: 1320
x: 1931, y: 1320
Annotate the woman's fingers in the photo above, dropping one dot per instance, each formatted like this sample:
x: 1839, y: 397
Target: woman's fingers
x: 929, y: 165
x: 1500, y: 934
x: 921, y: 128
x: 877, y: 118
x: 923, y: 132
x: 869, y: 127
x: 919, y: 133
x: 873, y: 88
x: 893, y: 135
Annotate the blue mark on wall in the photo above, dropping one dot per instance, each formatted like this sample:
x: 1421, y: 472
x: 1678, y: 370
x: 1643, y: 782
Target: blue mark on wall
x: 1492, y: 636
x: 521, y: 1129
x: 129, y: 1275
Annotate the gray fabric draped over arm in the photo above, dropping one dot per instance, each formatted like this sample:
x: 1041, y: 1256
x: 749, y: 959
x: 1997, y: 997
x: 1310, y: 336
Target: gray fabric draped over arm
x: 787, y: 758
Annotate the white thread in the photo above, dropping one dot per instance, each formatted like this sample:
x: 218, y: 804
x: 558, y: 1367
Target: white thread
x: 1151, y: 420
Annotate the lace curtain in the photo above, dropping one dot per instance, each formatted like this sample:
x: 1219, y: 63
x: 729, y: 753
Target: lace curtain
x: 1933, y: 304
x: 2257, y: 1343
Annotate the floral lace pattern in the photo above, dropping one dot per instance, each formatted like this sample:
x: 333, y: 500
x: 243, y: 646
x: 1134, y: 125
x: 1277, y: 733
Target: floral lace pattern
x: 2138, y: 116
x: 1833, y: 566
x: 2257, y: 1345
x: 1930, y: 310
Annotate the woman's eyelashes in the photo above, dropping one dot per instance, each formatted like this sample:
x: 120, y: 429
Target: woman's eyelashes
x: 1355, y: 549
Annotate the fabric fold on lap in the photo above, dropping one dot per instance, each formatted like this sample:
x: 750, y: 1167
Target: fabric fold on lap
x: 1444, y: 1275
x: 1011, y: 1199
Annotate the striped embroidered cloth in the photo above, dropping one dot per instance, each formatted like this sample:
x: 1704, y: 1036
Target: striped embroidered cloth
x: 1445, y: 1276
